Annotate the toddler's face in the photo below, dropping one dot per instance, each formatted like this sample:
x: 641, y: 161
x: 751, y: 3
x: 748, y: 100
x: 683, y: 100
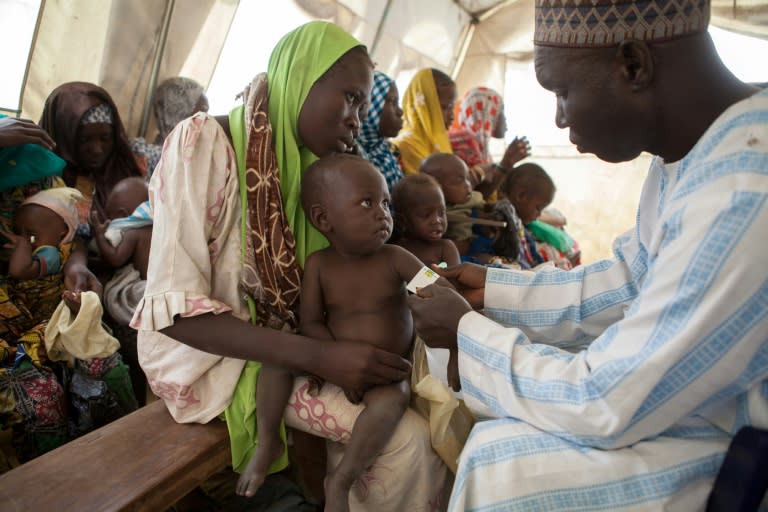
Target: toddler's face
x: 529, y: 205
x: 43, y: 224
x: 454, y: 180
x: 425, y: 218
x: 358, y: 211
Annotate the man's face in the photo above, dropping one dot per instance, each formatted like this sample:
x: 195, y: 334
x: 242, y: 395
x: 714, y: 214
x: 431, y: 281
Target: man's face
x: 596, y: 102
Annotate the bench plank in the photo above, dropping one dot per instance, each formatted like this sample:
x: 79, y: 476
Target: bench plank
x: 143, y: 461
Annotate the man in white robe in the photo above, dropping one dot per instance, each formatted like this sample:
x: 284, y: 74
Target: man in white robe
x: 675, y: 324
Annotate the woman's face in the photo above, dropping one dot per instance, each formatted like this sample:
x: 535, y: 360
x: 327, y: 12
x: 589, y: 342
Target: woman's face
x: 329, y: 120
x: 446, y: 93
x: 391, y: 114
x: 95, y: 142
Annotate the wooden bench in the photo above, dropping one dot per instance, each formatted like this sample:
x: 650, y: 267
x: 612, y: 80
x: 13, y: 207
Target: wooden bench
x: 143, y: 461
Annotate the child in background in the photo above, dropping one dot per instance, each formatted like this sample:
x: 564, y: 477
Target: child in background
x: 44, y: 226
x: 124, y: 241
x: 526, y: 192
x: 352, y: 290
x: 126, y: 235
x: 420, y: 215
x: 452, y: 175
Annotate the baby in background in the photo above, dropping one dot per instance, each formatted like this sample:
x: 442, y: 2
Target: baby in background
x: 126, y: 235
x: 525, y: 192
x: 352, y: 290
x: 420, y: 215
x: 44, y: 228
x: 452, y: 174
x: 124, y: 241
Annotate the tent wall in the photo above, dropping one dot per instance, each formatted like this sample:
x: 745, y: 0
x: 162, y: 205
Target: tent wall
x: 113, y: 42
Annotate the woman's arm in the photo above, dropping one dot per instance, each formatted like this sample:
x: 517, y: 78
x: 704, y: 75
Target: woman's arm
x: 347, y: 364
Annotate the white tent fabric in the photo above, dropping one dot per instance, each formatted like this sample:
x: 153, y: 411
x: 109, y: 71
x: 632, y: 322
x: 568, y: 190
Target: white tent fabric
x: 115, y: 42
x: 128, y: 46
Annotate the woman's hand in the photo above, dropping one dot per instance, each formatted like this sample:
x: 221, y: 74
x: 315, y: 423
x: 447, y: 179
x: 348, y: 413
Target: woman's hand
x: 14, y: 132
x: 469, y: 281
x: 518, y: 149
x: 436, y: 313
x: 77, y: 279
x: 353, y: 365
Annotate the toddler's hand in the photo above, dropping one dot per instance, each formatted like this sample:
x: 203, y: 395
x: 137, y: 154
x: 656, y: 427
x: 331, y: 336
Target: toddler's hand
x: 13, y: 238
x: 518, y: 149
x: 99, y: 226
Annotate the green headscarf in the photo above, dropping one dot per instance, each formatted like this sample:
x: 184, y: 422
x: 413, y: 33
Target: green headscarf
x: 299, y: 59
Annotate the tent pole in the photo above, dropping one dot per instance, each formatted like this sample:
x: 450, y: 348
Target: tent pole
x: 469, y: 33
x: 380, y: 28
x: 19, y: 106
x: 156, y: 60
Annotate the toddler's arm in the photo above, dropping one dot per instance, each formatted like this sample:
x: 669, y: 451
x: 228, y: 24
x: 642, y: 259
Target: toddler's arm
x: 115, y: 256
x: 449, y: 253
x: 312, y: 308
x: 22, y: 265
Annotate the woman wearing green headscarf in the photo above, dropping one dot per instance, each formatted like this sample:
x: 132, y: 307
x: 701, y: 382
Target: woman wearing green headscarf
x: 228, y: 242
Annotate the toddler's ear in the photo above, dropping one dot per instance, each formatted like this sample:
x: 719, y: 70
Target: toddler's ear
x: 319, y: 218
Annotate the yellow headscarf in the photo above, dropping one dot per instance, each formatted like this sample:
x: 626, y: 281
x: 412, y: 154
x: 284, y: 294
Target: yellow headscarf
x: 424, y: 131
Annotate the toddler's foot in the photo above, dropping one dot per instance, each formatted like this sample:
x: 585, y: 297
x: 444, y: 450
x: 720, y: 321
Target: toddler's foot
x: 336, y: 494
x: 268, y: 451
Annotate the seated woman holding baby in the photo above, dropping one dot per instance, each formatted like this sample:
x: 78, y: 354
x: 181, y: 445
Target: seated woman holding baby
x: 229, y: 241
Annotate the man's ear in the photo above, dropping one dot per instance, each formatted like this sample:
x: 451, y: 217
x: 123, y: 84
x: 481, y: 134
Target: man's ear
x: 636, y: 63
x: 319, y: 218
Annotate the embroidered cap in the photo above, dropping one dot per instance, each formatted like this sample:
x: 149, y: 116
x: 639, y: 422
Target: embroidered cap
x: 600, y: 23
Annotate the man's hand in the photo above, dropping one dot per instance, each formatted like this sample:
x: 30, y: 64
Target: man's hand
x: 436, y: 313
x: 14, y: 132
x: 469, y: 281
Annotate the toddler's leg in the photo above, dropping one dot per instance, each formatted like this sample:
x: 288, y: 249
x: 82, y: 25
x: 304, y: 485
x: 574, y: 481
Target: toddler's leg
x: 384, y: 406
x: 274, y: 389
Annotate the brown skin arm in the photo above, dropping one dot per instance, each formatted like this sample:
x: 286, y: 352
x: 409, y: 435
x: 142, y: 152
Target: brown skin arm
x: 14, y: 132
x: 436, y: 313
x: 469, y: 281
x: 114, y: 256
x: 518, y: 149
x: 21, y: 266
x: 346, y: 364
